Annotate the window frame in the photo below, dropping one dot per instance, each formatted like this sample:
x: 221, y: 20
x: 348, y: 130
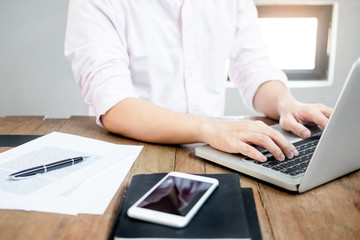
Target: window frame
x: 324, y: 15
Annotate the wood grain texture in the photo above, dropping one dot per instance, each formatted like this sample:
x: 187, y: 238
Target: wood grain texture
x: 331, y: 211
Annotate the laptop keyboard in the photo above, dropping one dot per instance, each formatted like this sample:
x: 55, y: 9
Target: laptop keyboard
x: 296, y: 165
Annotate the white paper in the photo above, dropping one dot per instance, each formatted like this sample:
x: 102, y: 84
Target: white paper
x: 87, y: 187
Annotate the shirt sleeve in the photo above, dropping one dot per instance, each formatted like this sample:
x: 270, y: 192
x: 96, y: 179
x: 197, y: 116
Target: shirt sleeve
x: 96, y: 46
x: 250, y: 65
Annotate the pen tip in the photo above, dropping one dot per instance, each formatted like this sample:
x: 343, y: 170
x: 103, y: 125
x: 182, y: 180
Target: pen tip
x: 12, y: 177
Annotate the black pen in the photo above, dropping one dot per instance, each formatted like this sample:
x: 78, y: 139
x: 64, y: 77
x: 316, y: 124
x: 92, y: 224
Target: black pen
x: 45, y: 168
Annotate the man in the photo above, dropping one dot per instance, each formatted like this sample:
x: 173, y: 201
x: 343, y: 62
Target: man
x: 155, y: 70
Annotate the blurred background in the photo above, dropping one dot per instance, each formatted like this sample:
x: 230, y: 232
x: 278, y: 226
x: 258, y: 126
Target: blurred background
x: 36, y: 78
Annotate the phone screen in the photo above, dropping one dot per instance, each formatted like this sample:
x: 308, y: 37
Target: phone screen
x: 175, y: 195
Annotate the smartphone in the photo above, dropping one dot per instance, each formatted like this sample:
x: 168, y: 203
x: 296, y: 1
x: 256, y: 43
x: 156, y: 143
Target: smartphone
x: 174, y: 200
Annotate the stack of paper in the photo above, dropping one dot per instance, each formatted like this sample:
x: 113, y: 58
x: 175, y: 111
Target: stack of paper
x: 86, y: 187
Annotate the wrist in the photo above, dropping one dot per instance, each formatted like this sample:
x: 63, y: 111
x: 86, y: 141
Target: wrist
x: 206, y: 129
x: 271, y: 98
x: 285, y: 101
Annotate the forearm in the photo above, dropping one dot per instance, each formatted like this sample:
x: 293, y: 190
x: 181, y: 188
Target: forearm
x: 271, y: 98
x: 141, y: 120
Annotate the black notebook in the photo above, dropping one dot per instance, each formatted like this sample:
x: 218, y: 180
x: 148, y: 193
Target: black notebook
x: 16, y: 140
x: 229, y: 213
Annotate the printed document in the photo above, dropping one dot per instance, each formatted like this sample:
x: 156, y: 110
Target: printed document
x: 86, y: 187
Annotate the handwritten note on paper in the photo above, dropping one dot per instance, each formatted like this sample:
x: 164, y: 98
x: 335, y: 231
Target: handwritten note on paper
x: 69, y: 190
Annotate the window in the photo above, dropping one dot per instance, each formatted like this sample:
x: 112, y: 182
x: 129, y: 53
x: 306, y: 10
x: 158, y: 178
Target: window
x: 298, y: 38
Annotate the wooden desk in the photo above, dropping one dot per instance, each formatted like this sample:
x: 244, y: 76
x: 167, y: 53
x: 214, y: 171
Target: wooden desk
x: 331, y: 211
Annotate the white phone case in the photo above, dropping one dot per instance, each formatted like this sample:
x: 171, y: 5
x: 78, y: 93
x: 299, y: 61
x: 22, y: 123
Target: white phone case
x: 182, y: 194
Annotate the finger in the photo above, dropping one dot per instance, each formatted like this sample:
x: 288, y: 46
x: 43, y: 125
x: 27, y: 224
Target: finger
x: 327, y: 111
x: 318, y: 116
x: 292, y: 125
x: 286, y: 146
x: 268, y: 143
x: 275, y: 143
x: 251, y: 152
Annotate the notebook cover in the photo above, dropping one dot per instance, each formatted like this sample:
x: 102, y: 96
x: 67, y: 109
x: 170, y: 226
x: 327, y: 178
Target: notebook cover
x: 251, y: 213
x: 16, y: 140
x: 221, y: 217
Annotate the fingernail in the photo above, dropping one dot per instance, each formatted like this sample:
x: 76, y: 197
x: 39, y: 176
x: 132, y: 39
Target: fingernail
x: 263, y: 158
x: 296, y: 152
x: 306, y: 134
x: 282, y: 157
x: 291, y: 154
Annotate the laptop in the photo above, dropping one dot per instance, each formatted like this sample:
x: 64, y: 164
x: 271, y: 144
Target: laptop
x: 334, y: 151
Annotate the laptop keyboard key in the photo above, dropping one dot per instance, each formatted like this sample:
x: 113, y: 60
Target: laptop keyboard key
x: 296, y: 165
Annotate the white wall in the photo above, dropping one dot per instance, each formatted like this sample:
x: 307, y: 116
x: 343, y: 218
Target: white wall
x: 36, y: 79
x: 35, y: 76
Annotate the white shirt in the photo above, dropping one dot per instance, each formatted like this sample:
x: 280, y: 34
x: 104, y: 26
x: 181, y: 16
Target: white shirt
x: 172, y: 53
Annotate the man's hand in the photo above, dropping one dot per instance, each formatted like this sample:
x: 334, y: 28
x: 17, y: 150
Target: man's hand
x: 240, y: 136
x: 275, y: 101
x: 294, y: 117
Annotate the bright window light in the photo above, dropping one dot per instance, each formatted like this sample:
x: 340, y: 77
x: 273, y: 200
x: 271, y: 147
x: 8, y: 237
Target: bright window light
x: 291, y: 41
